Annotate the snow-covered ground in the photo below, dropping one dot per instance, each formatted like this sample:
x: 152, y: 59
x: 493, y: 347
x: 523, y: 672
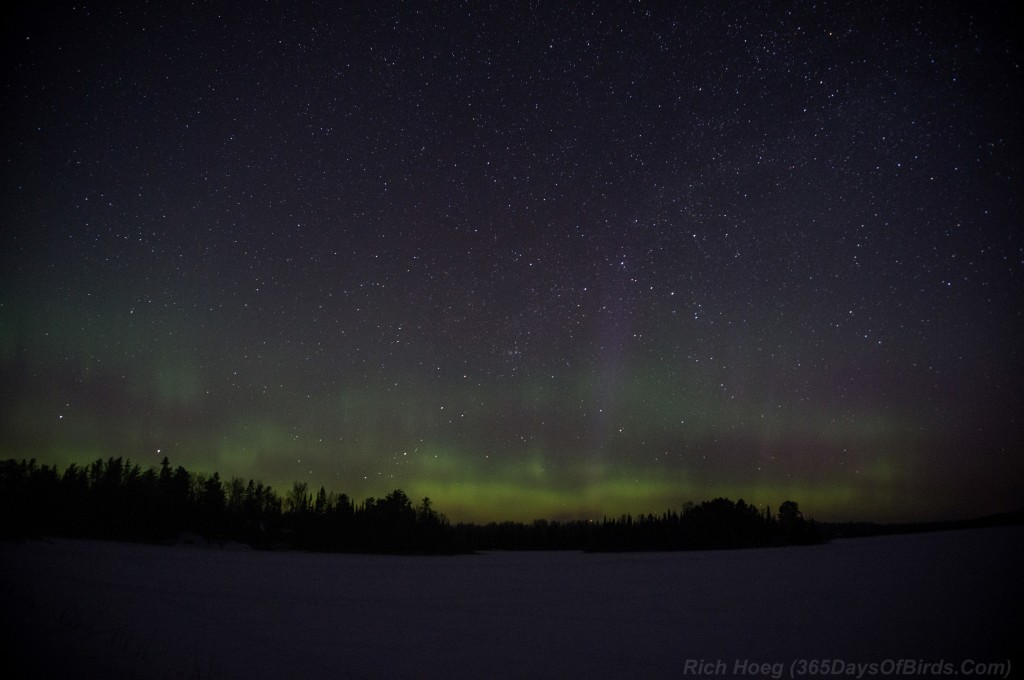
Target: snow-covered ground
x: 93, y: 609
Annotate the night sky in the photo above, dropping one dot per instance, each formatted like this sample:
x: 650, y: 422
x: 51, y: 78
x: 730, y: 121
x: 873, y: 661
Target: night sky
x: 556, y: 260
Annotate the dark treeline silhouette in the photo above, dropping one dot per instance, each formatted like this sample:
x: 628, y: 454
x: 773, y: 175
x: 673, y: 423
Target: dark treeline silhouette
x: 115, y: 499
x: 831, y: 530
x: 711, y: 525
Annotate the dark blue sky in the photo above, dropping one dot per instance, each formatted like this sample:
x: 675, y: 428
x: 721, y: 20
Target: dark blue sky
x: 530, y: 259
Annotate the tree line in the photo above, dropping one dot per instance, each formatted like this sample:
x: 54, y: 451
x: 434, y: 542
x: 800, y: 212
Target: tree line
x: 116, y: 499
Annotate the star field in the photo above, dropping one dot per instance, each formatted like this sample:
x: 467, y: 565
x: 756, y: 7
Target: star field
x: 529, y: 259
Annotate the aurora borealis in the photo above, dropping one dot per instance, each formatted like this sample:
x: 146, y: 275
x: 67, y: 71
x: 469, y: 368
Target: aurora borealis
x: 555, y: 260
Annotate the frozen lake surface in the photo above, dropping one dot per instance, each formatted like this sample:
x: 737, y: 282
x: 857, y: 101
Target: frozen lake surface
x: 92, y: 609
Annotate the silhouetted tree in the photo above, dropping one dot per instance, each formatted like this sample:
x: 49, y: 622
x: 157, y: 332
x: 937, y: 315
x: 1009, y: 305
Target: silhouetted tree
x: 792, y: 527
x: 212, y: 505
x: 789, y: 513
x: 298, y: 498
x: 236, y: 496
